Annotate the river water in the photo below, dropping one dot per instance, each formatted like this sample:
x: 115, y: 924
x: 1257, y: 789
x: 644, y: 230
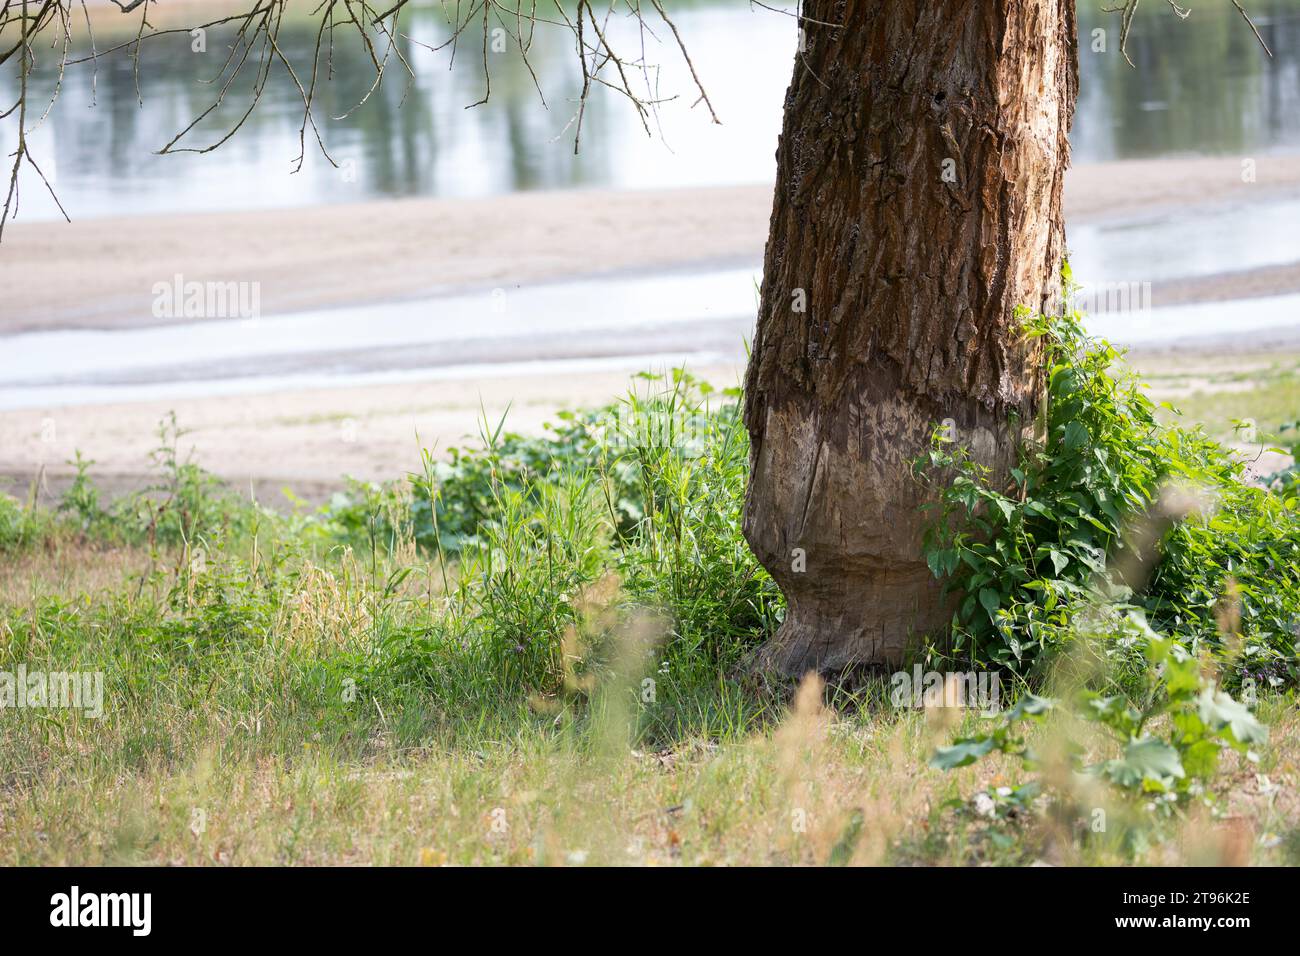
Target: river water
x: 1201, y: 85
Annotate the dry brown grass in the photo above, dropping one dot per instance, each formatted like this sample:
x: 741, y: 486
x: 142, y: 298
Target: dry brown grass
x: 69, y: 568
x: 818, y: 789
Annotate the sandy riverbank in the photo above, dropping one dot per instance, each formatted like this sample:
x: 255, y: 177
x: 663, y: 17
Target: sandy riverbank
x: 305, y: 440
x: 100, y: 273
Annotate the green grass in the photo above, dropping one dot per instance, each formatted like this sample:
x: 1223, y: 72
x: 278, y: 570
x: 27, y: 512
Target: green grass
x: 533, y: 651
x: 232, y: 738
x: 1266, y: 391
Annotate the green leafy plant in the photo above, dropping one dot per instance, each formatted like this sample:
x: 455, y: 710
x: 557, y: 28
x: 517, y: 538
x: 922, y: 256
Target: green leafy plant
x: 686, y: 452
x: 1166, y: 744
x: 639, y: 502
x: 186, y: 500
x: 19, y: 525
x: 1088, y: 513
x: 81, y: 500
x: 182, y: 502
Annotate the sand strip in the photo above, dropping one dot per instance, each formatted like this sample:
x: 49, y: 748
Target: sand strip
x: 100, y: 273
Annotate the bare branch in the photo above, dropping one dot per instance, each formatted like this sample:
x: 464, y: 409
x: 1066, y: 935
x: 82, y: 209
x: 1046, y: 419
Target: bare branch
x: 1251, y: 23
x: 1129, y: 8
x: 255, y: 51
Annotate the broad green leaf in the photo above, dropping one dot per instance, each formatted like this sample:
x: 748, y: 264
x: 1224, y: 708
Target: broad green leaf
x: 1030, y: 706
x: 1076, y: 434
x: 1144, y: 760
x: 1218, y: 711
x: 962, y: 753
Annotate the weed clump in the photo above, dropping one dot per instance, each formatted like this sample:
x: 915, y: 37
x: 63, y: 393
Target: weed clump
x: 1108, y: 506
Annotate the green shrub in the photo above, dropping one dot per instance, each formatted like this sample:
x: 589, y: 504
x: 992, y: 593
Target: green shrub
x: 636, y: 505
x: 1167, y: 744
x: 522, y: 582
x: 686, y: 555
x: 182, y: 504
x: 15, y: 522
x: 81, y: 501
x: 185, y: 501
x: 447, y: 504
x: 1094, y: 514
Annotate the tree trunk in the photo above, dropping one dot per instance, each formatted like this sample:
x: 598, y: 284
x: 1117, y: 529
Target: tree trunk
x: 918, y: 203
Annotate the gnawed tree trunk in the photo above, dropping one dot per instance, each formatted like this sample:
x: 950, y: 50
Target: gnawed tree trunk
x: 918, y: 203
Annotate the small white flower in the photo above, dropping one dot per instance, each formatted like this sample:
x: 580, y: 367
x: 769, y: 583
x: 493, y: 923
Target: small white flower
x: 1266, y: 787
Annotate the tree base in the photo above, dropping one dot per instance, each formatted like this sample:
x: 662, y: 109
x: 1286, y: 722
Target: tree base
x: 868, y: 622
x: 835, y: 513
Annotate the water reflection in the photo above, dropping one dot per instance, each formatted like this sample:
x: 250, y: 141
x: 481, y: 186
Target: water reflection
x: 1201, y: 85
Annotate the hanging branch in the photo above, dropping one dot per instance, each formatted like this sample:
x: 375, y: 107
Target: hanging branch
x: 255, y: 49
x: 1129, y: 7
x: 1251, y: 23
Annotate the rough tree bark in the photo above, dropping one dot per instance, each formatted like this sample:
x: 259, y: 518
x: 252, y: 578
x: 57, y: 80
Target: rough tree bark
x: 918, y: 203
